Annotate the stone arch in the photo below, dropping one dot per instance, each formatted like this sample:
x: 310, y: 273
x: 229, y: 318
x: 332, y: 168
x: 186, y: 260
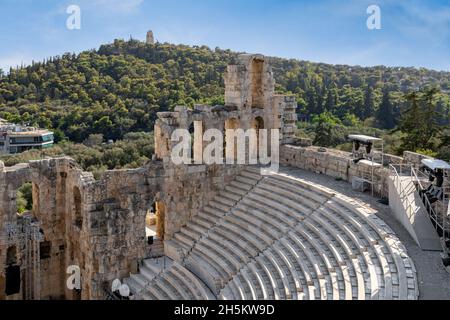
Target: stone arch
x: 257, y: 124
x: 257, y: 72
x: 11, y: 255
x: 13, y: 279
x: 24, y: 198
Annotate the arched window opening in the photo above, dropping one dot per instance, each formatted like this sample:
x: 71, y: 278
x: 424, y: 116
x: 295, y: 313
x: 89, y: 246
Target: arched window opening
x: 258, y: 124
x: 196, y: 130
x: 24, y: 198
x: 11, y: 256
x: 257, y: 83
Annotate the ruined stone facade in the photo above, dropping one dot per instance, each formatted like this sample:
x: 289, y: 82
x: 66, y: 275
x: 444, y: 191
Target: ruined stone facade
x: 99, y: 225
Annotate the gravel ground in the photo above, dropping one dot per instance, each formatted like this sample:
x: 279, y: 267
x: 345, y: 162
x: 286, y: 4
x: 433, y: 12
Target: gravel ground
x: 434, y: 280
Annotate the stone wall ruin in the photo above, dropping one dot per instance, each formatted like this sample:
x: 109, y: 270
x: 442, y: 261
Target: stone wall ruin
x: 99, y: 225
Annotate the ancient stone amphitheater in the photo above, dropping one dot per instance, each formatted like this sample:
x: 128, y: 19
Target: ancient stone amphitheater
x: 222, y: 231
x: 281, y: 237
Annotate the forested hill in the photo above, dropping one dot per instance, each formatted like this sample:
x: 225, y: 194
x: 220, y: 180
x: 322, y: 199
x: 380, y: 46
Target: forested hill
x: 120, y: 87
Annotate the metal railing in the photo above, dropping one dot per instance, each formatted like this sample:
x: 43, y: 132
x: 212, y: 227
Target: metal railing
x: 437, y: 211
x: 403, y: 193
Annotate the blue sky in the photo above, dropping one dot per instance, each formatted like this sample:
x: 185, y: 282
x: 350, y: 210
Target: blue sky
x: 414, y: 33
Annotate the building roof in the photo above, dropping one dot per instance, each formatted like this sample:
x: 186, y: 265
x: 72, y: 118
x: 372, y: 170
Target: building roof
x: 39, y: 132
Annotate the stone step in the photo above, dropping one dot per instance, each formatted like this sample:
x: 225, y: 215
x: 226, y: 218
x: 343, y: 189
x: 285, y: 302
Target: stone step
x: 242, y: 186
x: 251, y: 240
x: 236, y: 189
x: 251, y: 175
x: 250, y: 182
x: 224, y: 201
x: 233, y: 240
x: 231, y: 195
x: 302, y: 196
x: 291, y: 210
x: 218, y: 258
x: 253, y: 169
x: 212, y: 213
x: 181, y: 288
x: 259, y: 222
x: 148, y: 273
x: 198, y: 288
x: 219, y: 205
x: 254, y: 208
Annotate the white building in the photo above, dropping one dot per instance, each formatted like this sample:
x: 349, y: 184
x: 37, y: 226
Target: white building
x: 16, y: 139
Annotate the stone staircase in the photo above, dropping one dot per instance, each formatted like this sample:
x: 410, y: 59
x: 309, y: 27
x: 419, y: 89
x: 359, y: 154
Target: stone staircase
x: 281, y: 237
x: 165, y: 279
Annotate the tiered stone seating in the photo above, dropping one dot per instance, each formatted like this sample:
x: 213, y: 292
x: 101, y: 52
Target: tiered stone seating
x: 281, y: 237
x: 174, y: 282
x: 217, y: 209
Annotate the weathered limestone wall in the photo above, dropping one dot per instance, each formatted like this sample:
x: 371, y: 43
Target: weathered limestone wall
x: 334, y: 163
x: 96, y: 225
x: 250, y: 83
x: 339, y: 164
x: 187, y: 189
x: 99, y: 225
x: 46, y: 204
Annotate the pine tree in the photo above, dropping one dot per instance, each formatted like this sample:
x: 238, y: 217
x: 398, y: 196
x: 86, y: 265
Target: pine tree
x: 330, y: 103
x: 385, y: 115
x: 369, y: 105
x: 419, y: 121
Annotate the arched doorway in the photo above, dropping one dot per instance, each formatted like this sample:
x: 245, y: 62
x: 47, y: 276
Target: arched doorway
x: 12, y: 272
x: 257, y: 125
x: 150, y: 222
x: 155, y: 230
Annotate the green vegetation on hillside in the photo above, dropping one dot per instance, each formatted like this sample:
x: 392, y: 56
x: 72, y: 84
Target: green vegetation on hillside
x: 120, y: 87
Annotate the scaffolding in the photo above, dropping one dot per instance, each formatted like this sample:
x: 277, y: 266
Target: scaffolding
x: 369, y: 152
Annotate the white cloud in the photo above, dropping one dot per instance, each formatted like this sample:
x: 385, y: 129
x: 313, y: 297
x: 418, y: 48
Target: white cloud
x: 426, y: 22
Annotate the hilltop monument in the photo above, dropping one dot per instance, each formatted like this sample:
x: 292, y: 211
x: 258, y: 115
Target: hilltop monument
x: 150, y: 37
